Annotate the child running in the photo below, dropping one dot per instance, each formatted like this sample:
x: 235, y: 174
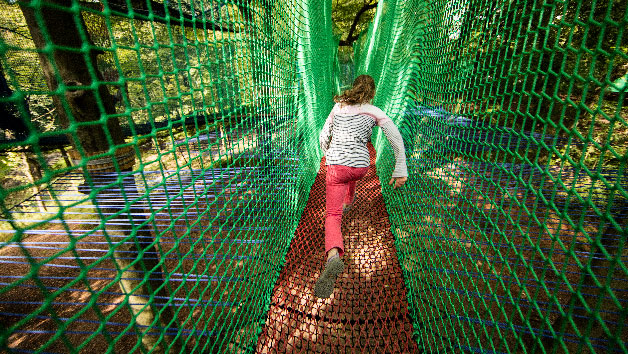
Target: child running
x: 343, y: 139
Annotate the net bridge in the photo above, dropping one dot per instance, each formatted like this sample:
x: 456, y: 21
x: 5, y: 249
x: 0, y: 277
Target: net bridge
x: 163, y: 187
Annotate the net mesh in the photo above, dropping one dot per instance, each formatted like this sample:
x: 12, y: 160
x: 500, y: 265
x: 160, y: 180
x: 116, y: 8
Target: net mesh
x: 511, y: 231
x: 162, y: 183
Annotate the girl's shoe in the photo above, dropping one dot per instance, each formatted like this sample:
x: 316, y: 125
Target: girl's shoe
x: 325, y: 283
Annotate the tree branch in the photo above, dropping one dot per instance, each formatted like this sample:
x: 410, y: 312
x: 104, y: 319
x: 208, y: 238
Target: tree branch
x: 351, y: 37
x: 14, y: 31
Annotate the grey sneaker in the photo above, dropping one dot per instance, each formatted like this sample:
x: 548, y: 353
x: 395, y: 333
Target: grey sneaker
x: 325, y: 283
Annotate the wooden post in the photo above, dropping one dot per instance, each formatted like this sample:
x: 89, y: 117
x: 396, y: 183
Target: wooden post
x: 34, y: 170
x: 66, y: 157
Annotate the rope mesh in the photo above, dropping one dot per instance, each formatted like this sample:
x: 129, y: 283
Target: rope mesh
x: 511, y: 231
x: 162, y: 182
x: 369, y: 310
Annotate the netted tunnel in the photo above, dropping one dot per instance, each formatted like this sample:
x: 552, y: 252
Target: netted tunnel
x: 163, y: 187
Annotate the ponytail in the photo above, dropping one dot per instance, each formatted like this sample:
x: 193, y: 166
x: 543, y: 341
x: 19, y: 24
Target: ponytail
x: 363, y: 91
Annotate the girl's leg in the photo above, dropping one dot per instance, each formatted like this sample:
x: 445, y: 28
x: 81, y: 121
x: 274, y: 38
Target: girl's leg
x: 339, y: 179
x: 356, y: 174
x: 336, y: 185
x: 340, y: 183
x: 350, y: 196
x: 336, y: 190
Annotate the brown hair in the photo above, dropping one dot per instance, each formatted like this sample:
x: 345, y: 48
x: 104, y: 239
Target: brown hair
x: 363, y: 90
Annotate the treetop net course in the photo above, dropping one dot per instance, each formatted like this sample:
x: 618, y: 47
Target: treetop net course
x: 187, y: 213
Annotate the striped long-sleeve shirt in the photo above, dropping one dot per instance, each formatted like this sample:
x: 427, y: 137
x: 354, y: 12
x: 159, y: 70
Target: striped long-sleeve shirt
x: 347, y: 130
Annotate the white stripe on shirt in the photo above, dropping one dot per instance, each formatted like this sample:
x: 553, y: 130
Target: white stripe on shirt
x: 348, y: 129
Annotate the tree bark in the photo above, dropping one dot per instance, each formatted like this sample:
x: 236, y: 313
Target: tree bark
x: 66, y: 157
x: 75, y: 69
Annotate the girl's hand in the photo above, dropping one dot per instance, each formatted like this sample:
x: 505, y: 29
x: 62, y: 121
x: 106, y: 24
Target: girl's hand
x: 397, y: 182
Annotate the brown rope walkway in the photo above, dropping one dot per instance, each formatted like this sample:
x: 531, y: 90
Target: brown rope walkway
x: 368, y: 311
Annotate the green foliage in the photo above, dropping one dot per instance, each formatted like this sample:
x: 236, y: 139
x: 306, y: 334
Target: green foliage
x: 21, y: 67
x: 151, y: 74
x: 9, y: 162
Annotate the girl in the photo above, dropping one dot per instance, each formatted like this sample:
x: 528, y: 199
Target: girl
x: 345, y: 134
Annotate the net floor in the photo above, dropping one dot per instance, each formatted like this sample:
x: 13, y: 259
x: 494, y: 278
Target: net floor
x: 366, y: 313
x: 368, y: 310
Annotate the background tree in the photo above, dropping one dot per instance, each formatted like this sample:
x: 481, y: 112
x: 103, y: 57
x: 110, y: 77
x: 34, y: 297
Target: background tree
x: 75, y: 71
x: 350, y: 18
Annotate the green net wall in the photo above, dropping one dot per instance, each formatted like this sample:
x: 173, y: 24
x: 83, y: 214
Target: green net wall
x: 511, y: 231
x: 163, y: 153
x: 157, y: 158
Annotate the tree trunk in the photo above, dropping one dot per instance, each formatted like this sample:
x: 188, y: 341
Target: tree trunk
x: 70, y: 74
x: 75, y: 69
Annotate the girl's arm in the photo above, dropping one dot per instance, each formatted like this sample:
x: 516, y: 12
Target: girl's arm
x: 396, y: 141
x: 394, y: 138
x: 325, y: 136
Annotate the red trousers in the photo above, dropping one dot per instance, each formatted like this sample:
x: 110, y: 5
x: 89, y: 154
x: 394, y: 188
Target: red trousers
x: 340, y: 189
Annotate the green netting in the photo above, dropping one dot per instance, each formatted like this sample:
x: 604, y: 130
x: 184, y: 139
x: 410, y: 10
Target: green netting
x: 165, y: 228
x: 157, y: 157
x: 512, y: 228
